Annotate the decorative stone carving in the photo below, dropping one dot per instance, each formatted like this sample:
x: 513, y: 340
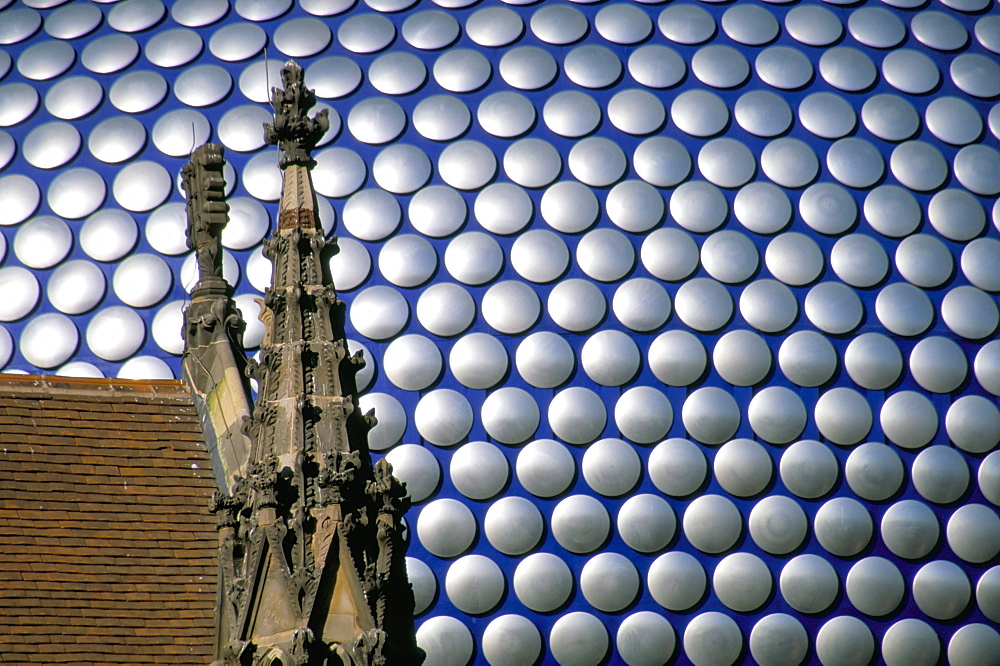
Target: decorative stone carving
x: 310, y: 538
x: 292, y: 130
x: 207, y: 209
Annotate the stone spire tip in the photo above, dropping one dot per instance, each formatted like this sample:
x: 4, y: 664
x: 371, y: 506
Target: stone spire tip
x: 293, y: 130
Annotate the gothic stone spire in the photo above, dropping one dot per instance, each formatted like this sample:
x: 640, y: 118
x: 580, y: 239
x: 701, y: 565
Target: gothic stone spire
x: 310, y: 539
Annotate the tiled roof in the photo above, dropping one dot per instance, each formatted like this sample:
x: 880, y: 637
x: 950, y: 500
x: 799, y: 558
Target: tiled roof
x: 107, y: 547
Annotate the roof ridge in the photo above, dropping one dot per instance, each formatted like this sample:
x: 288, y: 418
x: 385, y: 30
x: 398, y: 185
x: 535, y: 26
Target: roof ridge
x: 54, y: 386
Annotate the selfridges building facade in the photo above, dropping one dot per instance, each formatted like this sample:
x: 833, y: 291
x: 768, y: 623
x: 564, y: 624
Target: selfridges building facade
x: 680, y: 317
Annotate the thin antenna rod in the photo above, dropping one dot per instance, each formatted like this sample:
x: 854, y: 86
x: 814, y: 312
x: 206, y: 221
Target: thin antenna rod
x: 267, y: 81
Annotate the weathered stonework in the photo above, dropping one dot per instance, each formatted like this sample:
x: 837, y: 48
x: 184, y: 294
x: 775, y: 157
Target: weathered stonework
x: 214, y: 360
x: 310, y: 535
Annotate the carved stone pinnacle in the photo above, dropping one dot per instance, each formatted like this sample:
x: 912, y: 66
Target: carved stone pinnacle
x: 207, y: 210
x: 293, y: 130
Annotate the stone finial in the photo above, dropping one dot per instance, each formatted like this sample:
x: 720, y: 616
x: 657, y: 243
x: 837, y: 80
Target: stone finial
x: 292, y: 130
x: 207, y: 210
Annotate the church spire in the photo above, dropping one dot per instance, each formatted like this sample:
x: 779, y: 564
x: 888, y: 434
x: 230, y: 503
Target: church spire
x: 311, y: 548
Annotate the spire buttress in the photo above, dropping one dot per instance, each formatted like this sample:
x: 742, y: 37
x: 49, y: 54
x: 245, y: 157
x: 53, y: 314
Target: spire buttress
x: 214, y: 360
